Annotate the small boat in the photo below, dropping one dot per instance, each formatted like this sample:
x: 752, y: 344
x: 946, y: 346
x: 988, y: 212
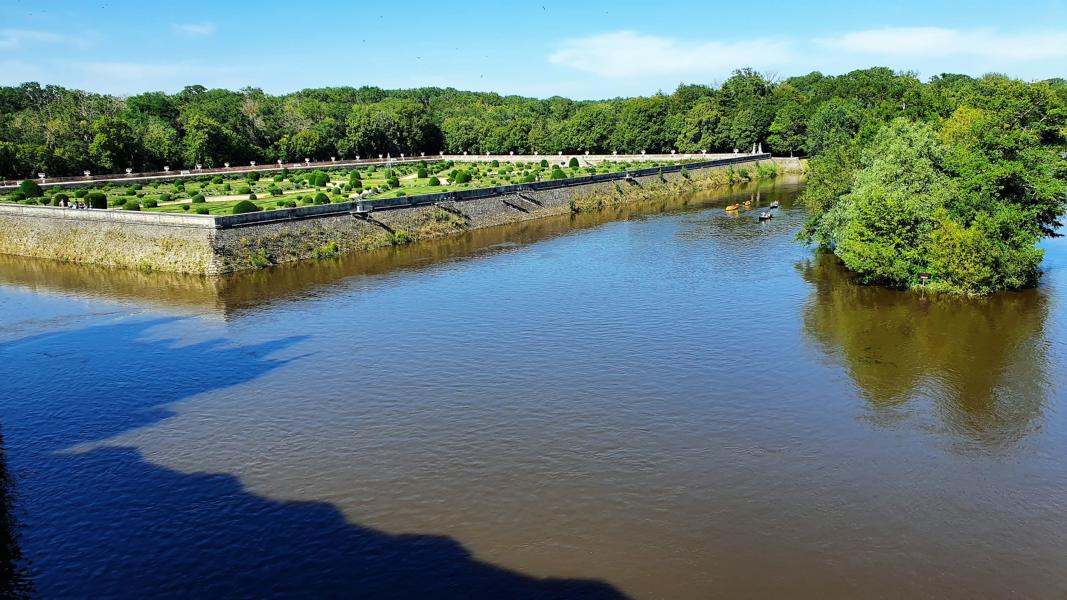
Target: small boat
x: 733, y: 207
x: 765, y: 216
x: 775, y: 204
x: 748, y: 203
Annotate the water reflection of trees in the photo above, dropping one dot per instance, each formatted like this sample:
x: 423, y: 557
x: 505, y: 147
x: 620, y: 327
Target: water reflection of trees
x: 982, y: 362
x: 14, y: 582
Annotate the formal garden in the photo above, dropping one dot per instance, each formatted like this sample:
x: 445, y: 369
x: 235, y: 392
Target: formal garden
x: 254, y: 191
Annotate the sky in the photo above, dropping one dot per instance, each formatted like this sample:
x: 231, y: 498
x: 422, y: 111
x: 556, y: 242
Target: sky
x: 582, y: 49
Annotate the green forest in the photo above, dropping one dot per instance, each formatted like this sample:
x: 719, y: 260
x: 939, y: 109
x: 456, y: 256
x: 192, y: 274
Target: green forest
x: 958, y: 177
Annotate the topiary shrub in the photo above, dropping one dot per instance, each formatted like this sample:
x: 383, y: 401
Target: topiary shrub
x: 495, y: 163
x: 557, y: 173
x: 321, y: 198
x: 80, y: 193
x: 201, y: 210
x: 275, y: 190
x: 462, y: 177
x: 434, y: 182
x: 544, y: 162
x: 164, y: 197
x: 96, y: 199
x: 135, y: 186
x: 251, y: 197
x: 392, y: 182
x: 16, y: 196
x: 199, y: 199
x: 252, y: 176
x: 226, y: 187
x: 60, y: 197
x: 150, y: 204
x: 422, y: 173
x: 185, y: 207
x: 279, y: 178
x: 30, y: 189
x: 244, y: 206
x: 307, y: 200
x: 116, y: 202
x: 244, y: 189
x: 399, y: 194
x: 131, y: 205
x: 216, y: 179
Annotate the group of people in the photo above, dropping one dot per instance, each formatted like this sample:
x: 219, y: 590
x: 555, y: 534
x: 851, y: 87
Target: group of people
x: 64, y: 203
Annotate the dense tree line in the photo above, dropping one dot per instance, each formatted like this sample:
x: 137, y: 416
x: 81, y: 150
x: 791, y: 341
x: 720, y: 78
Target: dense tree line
x: 62, y: 132
x: 961, y: 193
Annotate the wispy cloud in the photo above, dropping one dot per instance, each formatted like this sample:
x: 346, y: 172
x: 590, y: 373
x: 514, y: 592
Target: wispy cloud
x: 939, y: 42
x: 17, y: 38
x: 631, y: 54
x: 194, y: 28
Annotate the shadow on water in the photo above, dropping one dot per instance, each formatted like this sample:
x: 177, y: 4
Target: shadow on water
x: 107, y: 523
x: 983, y: 361
x: 14, y: 576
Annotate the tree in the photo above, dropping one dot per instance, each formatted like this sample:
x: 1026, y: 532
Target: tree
x: 114, y: 146
x: 833, y: 124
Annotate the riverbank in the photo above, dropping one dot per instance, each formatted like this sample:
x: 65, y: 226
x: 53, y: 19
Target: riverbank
x: 209, y: 245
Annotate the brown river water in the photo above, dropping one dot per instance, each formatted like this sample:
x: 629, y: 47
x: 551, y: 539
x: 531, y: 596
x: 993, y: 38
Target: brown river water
x: 657, y: 401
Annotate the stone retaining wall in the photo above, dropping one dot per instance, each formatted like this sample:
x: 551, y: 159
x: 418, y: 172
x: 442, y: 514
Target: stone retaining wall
x: 214, y: 245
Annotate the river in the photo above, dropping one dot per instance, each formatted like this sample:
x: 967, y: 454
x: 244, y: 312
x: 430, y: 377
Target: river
x: 663, y: 401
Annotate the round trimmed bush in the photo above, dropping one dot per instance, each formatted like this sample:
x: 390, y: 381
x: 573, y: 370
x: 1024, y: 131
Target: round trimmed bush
x: 201, y: 210
x: 423, y: 173
x: 393, y: 182
x: 244, y: 189
x: 251, y: 197
x: 150, y: 203
x: 226, y: 187
x: 131, y: 205
x: 116, y: 202
x: 544, y: 162
x: 96, y: 199
x: 275, y: 190
x: 434, y: 182
x: 321, y: 198
x: 164, y: 197
x: 244, y: 206
x: 30, y: 188
x: 252, y: 176
x: 557, y: 173
x: 216, y: 179
x: 16, y: 196
x: 279, y: 178
x: 185, y: 207
x: 199, y: 199
x: 59, y: 198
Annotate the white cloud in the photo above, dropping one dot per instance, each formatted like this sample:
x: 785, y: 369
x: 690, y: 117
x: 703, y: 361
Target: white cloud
x: 939, y: 42
x: 16, y: 38
x: 631, y: 54
x: 194, y: 28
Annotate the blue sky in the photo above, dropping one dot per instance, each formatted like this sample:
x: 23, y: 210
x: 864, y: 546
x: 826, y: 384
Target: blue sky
x: 575, y: 48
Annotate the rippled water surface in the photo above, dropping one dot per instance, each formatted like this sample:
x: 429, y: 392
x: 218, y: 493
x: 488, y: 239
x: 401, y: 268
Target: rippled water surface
x: 662, y: 401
